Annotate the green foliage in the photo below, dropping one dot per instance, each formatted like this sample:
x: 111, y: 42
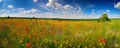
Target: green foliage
x: 8, y: 16
x: 5, y: 40
x: 104, y: 18
x: 33, y: 17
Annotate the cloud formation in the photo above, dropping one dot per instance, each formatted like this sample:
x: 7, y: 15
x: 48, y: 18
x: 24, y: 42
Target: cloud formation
x: 107, y: 11
x: 93, y: 12
x: 117, y: 5
x: 53, y: 4
x: 57, y: 6
x: 31, y: 11
x: 35, y: 0
x: 10, y: 6
x: 67, y: 7
x: 62, y: 11
x: 54, y: 9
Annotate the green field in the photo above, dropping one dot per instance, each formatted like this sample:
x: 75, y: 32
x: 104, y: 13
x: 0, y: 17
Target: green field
x: 62, y: 33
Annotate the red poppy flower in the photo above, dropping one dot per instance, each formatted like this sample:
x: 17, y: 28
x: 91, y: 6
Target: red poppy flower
x: 28, y: 44
x: 102, y: 40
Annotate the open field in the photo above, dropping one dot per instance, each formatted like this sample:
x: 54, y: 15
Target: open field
x: 43, y: 33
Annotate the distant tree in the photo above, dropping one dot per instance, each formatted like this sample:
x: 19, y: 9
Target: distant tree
x: 104, y: 18
x: 33, y: 17
x: 8, y: 16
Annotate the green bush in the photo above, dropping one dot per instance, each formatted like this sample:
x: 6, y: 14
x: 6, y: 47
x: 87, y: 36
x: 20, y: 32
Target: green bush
x: 104, y: 18
x: 8, y: 16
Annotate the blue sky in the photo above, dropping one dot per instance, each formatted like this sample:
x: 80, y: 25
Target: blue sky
x: 74, y: 9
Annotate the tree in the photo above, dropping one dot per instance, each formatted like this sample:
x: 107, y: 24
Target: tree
x: 8, y: 16
x: 104, y: 18
x: 33, y: 17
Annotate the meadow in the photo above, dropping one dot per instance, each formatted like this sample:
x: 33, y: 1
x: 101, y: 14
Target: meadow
x: 47, y: 33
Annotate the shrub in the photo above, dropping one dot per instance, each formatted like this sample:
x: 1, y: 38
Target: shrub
x: 104, y: 18
x: 33, y: 17
x: 8, y: 16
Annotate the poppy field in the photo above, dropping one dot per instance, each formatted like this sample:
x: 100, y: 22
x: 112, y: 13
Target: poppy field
x: 41, y: 33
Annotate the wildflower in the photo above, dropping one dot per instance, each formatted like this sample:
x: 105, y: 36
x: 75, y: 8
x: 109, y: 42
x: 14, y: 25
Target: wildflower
x: 70, y: 45
x: 55, y: 42
x: 117, y: 45
x: 30, y: 36
x: 28, y: 44
x: 85, y: 47
x: 60, y: 44
x: 79, y: 46
x: 102, y: 40
x: 21, y: 40
x: 37, y: 38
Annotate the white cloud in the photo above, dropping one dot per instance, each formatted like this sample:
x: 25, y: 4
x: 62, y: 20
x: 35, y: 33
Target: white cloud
x: 78, y: 9
x: 117, y: 5
x: 63, y: 11
x: 53, y: 4
x: 57, y: 6
x: 30, y: 11
x: 35, y: 0
x: 68, y: 7
x: 107, y: 11
x: 65, y: 15
x: 93, y: 12
x: 0, y: 0
x: 10, y: 6
x: 33, y: 12
x: 57, y: 10
x: 20, y: 12
x: 20, y: 9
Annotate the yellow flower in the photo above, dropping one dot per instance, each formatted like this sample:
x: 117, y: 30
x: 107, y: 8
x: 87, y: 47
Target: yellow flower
x: 79, y: 46
x: 60, y: 44
x: 85, y: 47
x: 22, y: 44
x: 20, y: 41
x: 100, y: 44
x: 70, y: 45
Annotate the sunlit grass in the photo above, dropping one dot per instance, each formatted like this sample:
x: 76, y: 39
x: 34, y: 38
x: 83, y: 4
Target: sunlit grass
x: 40, y: 33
